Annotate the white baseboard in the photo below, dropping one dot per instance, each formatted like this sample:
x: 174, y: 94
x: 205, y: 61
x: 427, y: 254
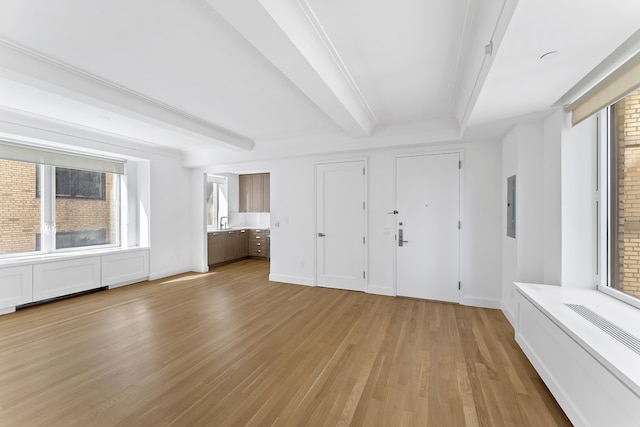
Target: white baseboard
x: 379, y: 290
x: 7, y: 310
x: 129, y: 282
x: 201, y: 269
x: 294, y: 280
x: 168, y: 273
x: 509, y: 315
x: 481, y: 302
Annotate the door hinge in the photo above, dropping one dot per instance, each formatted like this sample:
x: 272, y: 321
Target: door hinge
x: 459, y: 285
x: 459, y: 225
x: 363, y: 275
x: 459, y: 164
x: 363, y: 173
x: 363, y: 240
x: 363, y: 208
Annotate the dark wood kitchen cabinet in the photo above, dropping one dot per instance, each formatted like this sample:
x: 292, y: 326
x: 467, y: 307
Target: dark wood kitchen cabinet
x: 258, y: 244
x: 227, y: 246
x: 243, y: 244
x: 255, y: 192
x: 230, y: 245
x: 215, y: 248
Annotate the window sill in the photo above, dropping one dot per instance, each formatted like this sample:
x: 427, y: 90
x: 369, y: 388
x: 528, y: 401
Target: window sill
x: 57, y: 256
x: 616, y: 357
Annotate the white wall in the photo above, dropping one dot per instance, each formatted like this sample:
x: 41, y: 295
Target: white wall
x: 293, y: 219
x: 552, y: 216
x: 292, y: 207
x: 509, y: 246
x: 579, y: 227
x: 530, y: 203
x: 537, y: 192
x: 555, y: 168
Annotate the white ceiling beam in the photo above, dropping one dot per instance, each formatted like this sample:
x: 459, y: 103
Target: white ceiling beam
x: 288, y: 34
x: 20, y: 64
x: 486, y: 28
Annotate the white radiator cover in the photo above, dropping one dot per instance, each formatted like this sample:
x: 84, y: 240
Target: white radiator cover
x: 594, y: 377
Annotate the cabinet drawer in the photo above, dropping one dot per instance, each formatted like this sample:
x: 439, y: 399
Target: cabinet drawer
x: 258, y: 252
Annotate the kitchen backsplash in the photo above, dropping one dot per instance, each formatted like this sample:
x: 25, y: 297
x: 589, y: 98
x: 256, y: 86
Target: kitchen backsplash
x: 249, y: 219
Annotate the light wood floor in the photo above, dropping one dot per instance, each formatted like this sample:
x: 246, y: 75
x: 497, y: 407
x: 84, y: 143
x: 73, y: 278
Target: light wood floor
x: 230, y: 348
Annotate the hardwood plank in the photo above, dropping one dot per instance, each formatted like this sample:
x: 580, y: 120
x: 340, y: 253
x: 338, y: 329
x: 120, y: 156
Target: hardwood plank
x: 229, y: 347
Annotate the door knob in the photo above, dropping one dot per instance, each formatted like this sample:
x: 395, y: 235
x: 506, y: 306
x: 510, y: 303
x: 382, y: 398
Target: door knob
x: 321, y: 234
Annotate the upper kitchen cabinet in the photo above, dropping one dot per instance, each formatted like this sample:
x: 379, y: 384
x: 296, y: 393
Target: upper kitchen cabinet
x: 255, y: 192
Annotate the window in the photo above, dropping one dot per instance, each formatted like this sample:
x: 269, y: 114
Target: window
x: 623, y: 185
x: 76, y: 184
x: 20, y: 209
x: 47, y: 207
x: 217, y: 208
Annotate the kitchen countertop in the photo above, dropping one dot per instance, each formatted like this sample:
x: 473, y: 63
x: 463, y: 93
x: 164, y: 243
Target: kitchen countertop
x: 217, y: 230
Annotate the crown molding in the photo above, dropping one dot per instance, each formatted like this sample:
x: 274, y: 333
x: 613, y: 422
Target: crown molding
x: 288, y: 34
x: 333, y: 52
x: 93, y: 89
x: 617, y: 59
x: 22, y: 126
x: 486, y: 32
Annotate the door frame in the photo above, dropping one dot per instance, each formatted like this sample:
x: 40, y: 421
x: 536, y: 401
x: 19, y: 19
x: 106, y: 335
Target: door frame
x: 365, y: 213
x: 460, y: 152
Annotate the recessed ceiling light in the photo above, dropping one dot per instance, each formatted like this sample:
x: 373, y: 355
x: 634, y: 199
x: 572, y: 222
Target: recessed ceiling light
x: 549, y: 55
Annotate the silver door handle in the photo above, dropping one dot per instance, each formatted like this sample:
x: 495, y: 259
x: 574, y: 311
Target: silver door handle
x: 400, y: 241
x: 321, y: 234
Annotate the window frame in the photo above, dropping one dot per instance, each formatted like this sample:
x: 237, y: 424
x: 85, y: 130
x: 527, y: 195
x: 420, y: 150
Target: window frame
x: 606, y: 175
x: 75, y: 193
x: 220, y: 181
x: 46, y: 184
x: 51, y: 212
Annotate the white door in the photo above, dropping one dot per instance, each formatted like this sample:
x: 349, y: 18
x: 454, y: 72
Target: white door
x: 340, y: 225
x: 428, y: 235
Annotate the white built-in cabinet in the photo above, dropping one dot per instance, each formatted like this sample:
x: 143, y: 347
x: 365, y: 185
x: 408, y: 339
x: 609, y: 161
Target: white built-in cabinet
x: 16, y: 287
x: 593, y: 376
x: 44, y: 278
x: 58, y: 278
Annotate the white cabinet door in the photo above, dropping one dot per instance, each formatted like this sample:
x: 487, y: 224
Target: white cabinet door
x: 125, y: 268
x: 54, y: 279
x: 15, y: 287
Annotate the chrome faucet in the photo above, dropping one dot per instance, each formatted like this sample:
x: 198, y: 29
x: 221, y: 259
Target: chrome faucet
x: 226, y: 225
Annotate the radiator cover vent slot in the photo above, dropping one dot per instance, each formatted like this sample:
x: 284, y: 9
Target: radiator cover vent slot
x: 632, y: 342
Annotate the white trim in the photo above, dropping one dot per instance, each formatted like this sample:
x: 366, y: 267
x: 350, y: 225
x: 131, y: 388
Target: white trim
x: 168, y: 273
x: 335, y: 56
x: 508, y: 314
x: 292, y: 280
x: 44, y: 68
x: 201, y: 269
x: 57, y: 256
x: 604, y: 214
x: 7, y: 310
x: 481, y: 302
x: 611, y: 63
x: 28, y: 128
x: 127, y: 283
x: 381, y: 290
x: 619, y: 295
